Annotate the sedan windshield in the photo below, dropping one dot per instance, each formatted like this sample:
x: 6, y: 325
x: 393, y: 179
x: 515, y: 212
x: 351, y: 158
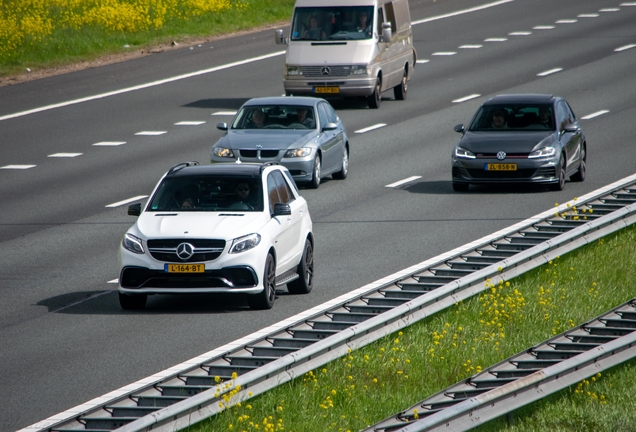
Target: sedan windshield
x: 332, y: 23
x: 519, y: 117
x: 275, y: 117
x: 208, y: 193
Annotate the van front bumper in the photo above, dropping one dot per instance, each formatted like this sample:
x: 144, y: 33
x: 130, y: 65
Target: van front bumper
x: 340, y: 87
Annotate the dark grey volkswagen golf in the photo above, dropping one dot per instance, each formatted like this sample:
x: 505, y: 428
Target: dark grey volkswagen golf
x: 520, y: 138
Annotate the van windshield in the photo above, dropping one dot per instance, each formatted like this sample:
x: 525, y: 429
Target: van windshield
x: 332, y: 23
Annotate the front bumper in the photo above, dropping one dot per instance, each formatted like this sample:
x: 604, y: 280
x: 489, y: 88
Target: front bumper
x: 472, y: 171
x: 349, y: 86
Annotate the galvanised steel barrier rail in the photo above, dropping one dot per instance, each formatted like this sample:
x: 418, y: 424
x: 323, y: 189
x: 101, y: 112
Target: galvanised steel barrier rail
x: 191, y: 392
x: 525, y: 377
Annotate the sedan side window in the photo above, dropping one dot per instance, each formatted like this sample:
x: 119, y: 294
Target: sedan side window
x: 322, y: 115
x: 331, y: 114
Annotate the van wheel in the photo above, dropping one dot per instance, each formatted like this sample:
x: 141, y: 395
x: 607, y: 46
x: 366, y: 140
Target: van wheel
x: 375, y: 99
x: 400, y: 90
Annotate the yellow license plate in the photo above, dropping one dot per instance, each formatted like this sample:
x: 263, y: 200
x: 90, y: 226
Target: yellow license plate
x: 184, y: 268
x: 327, y: 89
x: 501, y: 167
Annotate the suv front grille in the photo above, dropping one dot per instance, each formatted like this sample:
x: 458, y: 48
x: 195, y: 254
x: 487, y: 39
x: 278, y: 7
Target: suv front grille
x: 317, y: 71
x: 203, y: 249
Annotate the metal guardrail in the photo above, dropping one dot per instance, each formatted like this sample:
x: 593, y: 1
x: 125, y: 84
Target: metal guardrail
x: 525, y: 377
x: 191, y: 392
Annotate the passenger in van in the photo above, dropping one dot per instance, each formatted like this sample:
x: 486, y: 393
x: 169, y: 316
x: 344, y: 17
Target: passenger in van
x: 314, y: 32
x: 363, y: 24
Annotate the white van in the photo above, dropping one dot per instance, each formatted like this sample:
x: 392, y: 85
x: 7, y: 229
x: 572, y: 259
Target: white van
x: 349, y: 48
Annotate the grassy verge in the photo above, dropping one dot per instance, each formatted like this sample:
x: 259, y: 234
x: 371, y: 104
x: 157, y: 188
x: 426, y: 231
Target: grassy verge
x: 390, y: 375
x: 39, y: 34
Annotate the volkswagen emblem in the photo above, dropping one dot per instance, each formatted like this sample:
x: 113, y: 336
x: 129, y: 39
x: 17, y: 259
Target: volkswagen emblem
x: 185, y: 251
x: 501, y: 155
x: 325, y: 70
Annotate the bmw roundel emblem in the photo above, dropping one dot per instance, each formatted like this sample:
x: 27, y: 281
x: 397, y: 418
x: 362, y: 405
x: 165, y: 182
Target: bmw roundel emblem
x: 185, y: 251
x: 501, y: 155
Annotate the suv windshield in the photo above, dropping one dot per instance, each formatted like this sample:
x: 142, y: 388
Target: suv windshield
x: 332, y: 23
x: 520, y: 117
x: 275, y: 117
x: 208, y: 193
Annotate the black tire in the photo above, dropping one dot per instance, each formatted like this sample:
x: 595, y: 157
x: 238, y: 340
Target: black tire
x: 265, y: 299
x: 579, y: 176
x: 305, y: 282
x: 560, y: 184
x: 399, y: 91
x: 132, y: 302
x: 375, y: 99
x: 342, y: 174
x: 315, y: 179
x: 460, y: 187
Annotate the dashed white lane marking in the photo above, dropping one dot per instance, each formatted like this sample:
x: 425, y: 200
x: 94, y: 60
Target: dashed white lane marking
x: 470, y: 46
x: 628, y: 4
x: 465, y: 11
x: 422, y: 61
x: 543, y: 27
x: 626, y: 47
x: 549, y: 72
x: 17, y: 167
x: 109, y: 143
x: 495, y: 40
x: 444, y: 53
x: 609, y: 10
x: 189, y: 123
x: 403, y: 182
x: 566, y: 21
x: 520, y: 33
x: 370, y: 128
x: 466, y: 98
x: 590, y: 15
x: 151, y: 133
x: 129, y: 200
x: 594, y: 114
x: 113, y: 281
x: 224, y: 113
x: 65, y: 155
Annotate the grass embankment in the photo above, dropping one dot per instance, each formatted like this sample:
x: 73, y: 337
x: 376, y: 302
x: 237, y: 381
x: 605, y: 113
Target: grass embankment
x: 392, y: 374
x: 38, y: 34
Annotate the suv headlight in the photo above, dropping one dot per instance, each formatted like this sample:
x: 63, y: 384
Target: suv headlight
x: 299, y: 152
x: 542, y: 152
x: 359, y: 70
x: 293, y: 70
x: 463, y: 153
x: 245, y: 243
x: 223, y: 152
x: 133, y: 244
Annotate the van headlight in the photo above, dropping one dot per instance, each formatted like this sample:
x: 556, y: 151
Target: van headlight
x: 245, y: 243
x: 359, y: 70
x: 223, y: 152
x: 133, y: 244
x: 293, y: 70
x: 299, y: 152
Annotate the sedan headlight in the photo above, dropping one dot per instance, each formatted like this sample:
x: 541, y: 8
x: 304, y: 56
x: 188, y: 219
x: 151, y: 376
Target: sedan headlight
x: 359, y: 70
x: 245, y: 243
x: 542, y: 152
x: 133, y: 244
x: 463, y: 153
x: 294, y: 70
x: 223, y: 152
x: 299, y: 152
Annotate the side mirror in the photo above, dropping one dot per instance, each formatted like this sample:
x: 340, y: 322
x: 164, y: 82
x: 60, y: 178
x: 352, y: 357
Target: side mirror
x: 281, y: 209
x: 570, y: 128
x: 459, y: 128
x: 221, y: 126
x: 329, y: 126
x: 386, y: 32
x: 279, y: 38
x: 134, y: 209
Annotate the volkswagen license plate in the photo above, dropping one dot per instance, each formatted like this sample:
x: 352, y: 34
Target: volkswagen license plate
x: 184, y: 268
x: 326, y: 89
x: 500, y: 167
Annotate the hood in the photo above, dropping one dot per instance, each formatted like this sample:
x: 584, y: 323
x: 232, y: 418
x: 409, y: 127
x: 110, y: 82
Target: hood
x: 303, y: 53
x: 510, y: 142
x: 269, y: 139
x: 217, y: 225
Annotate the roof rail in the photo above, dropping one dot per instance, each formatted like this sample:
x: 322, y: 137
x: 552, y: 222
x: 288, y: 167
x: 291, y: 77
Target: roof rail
x: 180, y: 166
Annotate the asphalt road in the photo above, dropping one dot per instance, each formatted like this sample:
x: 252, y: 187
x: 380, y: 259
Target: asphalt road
x: 64, y: 339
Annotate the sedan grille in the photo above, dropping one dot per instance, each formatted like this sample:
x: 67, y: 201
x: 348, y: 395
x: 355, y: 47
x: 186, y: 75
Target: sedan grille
x: 319, y: 71
x: 203, y: 249
x: 519, y: 174
x: 508, y: 155
x: 259, y: 154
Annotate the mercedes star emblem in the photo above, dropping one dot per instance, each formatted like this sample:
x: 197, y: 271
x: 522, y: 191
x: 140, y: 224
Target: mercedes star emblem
x: 185, y: 251
x: 325, y: 71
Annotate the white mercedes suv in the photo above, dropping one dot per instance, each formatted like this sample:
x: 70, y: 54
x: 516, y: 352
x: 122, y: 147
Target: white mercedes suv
x: 226, y: 228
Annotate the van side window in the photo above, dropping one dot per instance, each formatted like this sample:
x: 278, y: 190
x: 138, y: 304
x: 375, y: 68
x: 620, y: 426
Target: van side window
x: 390, y: 16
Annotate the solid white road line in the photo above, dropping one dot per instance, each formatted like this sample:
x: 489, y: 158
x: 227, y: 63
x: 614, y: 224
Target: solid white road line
x: 370, y: 128
x: 461, y: 12
x: 625, y: 47
x: 189, y: 123
x: 403, y: 182
x: 151, y: 133
x: 109, y: 143
x: 17, y: 166
x: 129, y: 200
x: 466, y: 98
x: 549, y: 72
x: 64, y: 155
x: 594, y: 114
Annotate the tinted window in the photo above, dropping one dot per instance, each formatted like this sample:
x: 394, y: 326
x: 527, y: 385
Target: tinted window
x: 332, y: 23
x: 272, y: 192
x: 285, y: 194
x: 519, y: 117
x: 272, y: 117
